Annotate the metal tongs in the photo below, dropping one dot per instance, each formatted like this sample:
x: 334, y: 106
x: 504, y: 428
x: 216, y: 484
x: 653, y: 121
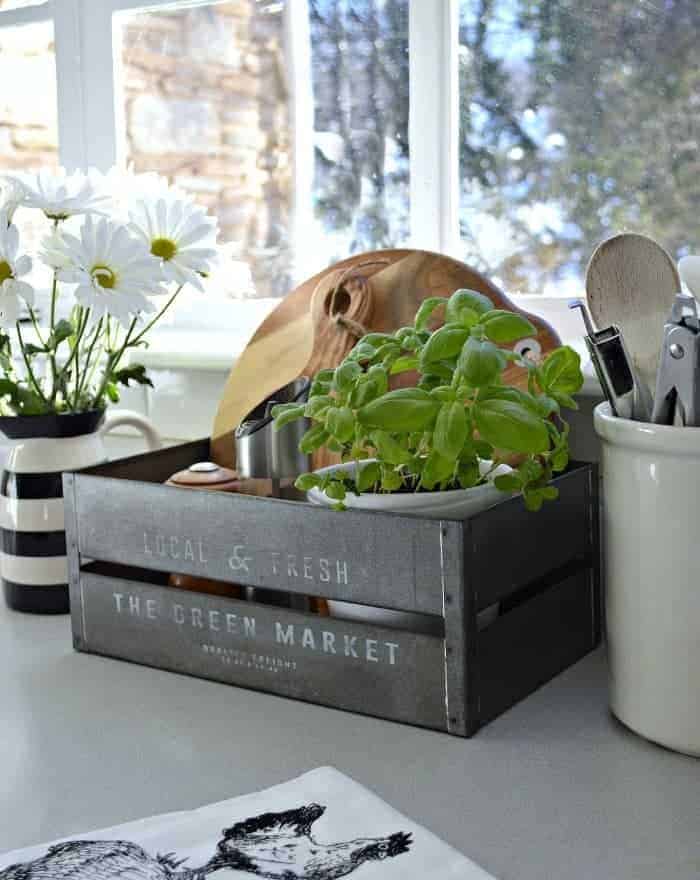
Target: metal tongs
x: 677, y: 399
x: 627, y: 394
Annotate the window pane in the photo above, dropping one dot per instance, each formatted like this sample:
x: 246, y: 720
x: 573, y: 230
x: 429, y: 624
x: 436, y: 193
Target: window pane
x: 211, y: 96
x: 28, y: 116
x: 18, y: 4
x: 578, y: 119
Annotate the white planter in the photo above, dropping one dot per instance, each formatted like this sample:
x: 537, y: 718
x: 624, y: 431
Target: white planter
x: 454, y: 504
x: 651, y: 524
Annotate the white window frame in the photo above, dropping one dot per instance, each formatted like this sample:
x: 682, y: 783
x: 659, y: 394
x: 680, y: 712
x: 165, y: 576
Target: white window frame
x: 90, y: 120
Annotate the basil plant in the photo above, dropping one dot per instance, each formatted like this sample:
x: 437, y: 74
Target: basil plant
x: 432, y: 436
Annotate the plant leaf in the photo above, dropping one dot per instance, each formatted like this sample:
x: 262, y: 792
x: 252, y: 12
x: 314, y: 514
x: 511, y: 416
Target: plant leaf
x: 507, y: 327
x: 62, y: 331
x: 389, y: 449
x: 304, y: 482
x: 481, y: 362
x: 133, y: 373
x: 560, y: 372
x: 436, y: 469
x: 444, y: 344
x: 284, y: 413
x: 340, y: 422
x: 508, y: 425
x: 368, y: 475
x: 405, y: 409
x: 465, y: 306
x: 450, y: 431
x: 426, y: 309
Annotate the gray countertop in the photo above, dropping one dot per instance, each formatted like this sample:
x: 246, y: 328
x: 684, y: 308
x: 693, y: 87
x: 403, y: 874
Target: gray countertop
x: 553, y: 789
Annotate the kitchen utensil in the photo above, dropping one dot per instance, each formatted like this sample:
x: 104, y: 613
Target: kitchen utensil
x: 631, y: 282
x: 318, y: 323
x: 265, y: 452
x: 677, y: 398
x: 628, y: 397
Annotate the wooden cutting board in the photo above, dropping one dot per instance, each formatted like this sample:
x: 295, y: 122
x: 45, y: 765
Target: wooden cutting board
x: 318, y: 323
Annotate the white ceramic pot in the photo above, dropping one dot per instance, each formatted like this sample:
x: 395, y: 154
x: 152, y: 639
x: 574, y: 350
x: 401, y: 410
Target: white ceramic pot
x: 454, y: 504
x: 33, y: 558
x: 651, y: 529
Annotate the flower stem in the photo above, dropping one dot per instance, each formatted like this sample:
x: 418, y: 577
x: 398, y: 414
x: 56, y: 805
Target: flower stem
x: 52, y: 354
x: 30, y: 373
x: 112, y: 361
x: 157, y: 318
x: 87, y: 372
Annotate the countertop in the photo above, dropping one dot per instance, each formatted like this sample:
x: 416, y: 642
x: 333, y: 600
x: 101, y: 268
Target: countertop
x: 554, y: 789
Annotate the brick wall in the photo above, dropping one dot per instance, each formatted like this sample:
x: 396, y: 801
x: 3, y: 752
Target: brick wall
x: 207, y: 104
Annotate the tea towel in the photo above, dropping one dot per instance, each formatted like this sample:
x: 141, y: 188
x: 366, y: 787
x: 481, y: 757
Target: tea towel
x: 320, y: 826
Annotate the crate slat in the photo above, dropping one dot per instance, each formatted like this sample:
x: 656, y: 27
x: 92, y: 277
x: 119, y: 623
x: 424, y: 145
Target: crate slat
x: 377, y: 671
x: 373, y: 559
x: 510, y: 546
x: 534, y: 642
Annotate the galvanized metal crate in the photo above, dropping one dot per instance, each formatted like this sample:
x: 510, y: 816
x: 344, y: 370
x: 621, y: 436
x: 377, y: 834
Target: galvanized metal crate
x: 126, y: 532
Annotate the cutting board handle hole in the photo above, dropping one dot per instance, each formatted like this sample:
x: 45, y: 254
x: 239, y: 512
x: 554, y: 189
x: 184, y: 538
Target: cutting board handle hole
x: 339, y: 300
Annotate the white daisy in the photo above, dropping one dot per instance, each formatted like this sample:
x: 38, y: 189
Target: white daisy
x: 112, y: 269
x: 12, y: 268
x: 53, y: 251
x: 180, y: 234
x: 61, y: 195
x: 12, y: 194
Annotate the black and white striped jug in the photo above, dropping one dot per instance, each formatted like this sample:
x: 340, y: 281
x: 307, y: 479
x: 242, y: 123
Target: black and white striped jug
x: 33, y: 558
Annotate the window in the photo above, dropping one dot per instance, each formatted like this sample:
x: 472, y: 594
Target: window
x: 513, y: 134
x: 578, y: 119
x: 300, y: 170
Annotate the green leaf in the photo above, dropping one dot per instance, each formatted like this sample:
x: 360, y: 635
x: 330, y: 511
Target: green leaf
x: 380, y: 376
x: 507, y: 483
x: 560, y: 372
x: 481, y: 362
x: 507, y: 392
x: 23, y: 400
x: 465, y: 306
x: 389, y: 349
x: 336, y: 490
x: 313, y: 439
x: 368, y: 475
x: 507, y: 327
x: 564, y: 400
x: 112, y: 391
x: 468, y: 473
x: 405, y: 409
x: 533, y: 499
x: 340, y: 422
x: 444, y: 344
x: 451, y: 429
x: 426, y: 309
x: 304, y: 482
x: 404, y: 364
x: 32, y: 350
x: 362, y: 352
x: 437, y: 469
x: 346, y: 375
x: 391, y: 479
x: 376, y: 339
x: 508, y: 425
x: 530, y: 470
x: 389, y: 449
x: 62, y: 331
x: 560, y: 459
x: 284, y: 413
x: 133, y: 373
x: 444, y: 393
x: 315, y: 408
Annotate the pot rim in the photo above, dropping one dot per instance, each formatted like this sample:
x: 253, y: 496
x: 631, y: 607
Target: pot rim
x: 645, y: 436
x: 408, y: 501
x: 52, y: 424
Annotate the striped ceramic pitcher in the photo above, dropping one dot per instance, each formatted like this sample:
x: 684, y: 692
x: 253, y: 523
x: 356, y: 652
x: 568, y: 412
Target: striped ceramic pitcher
x: 33, y: 559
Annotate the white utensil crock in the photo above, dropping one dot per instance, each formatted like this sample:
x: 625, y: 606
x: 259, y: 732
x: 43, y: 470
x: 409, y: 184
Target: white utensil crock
x: 651, y: 529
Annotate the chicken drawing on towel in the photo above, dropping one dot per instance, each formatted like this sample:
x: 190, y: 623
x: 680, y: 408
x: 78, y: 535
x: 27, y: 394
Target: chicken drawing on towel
x: 277, y: 846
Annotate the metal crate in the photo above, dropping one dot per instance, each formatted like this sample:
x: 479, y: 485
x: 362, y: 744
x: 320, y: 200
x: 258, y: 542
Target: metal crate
x: 126, y: 532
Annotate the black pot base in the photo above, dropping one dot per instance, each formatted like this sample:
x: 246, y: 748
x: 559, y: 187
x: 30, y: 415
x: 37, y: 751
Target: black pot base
x: 36, y: 600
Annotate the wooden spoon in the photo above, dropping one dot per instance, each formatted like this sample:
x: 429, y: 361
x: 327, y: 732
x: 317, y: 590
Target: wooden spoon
x: 631, y: 281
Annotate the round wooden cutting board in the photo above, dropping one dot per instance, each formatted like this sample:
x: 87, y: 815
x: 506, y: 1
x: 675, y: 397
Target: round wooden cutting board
x: 318, y: 323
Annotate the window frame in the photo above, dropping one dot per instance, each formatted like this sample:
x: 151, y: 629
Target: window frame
x: 90, y: 118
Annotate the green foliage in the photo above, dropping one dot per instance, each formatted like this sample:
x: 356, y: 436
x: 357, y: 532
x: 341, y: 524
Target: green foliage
x: 458, y: 411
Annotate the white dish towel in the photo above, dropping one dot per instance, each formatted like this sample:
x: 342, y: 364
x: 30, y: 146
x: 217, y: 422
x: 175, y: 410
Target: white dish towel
x: 320, y: 826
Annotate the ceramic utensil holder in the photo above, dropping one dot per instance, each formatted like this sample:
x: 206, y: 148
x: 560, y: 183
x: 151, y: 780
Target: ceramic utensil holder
x: 651, y: 525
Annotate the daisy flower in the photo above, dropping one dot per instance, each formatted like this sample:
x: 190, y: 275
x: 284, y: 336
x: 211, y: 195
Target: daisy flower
x: 180, y: 234
x: 12, y: 268
x: 53, y: 251
x: 12, y: 194
x: 112, y: 269
x: 61, y: 195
